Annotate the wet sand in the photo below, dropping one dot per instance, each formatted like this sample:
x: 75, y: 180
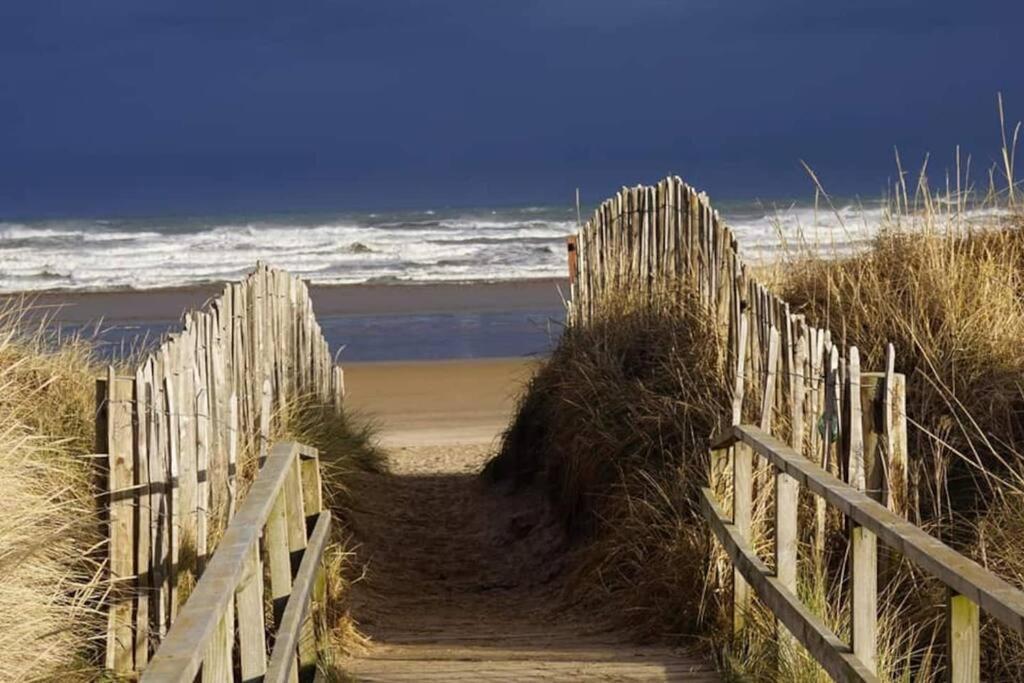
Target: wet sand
x: 158, y: 305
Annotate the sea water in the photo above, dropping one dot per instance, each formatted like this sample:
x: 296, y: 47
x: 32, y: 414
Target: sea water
x: 427, y: 245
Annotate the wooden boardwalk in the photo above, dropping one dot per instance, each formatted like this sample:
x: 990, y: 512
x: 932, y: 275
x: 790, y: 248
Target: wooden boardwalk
x: 465, y: 585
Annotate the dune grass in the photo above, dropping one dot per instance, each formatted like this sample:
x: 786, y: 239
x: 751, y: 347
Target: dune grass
x: 50, y: 536
x: 52, y: 624
x: 347, y: 443
x: 615, y: 426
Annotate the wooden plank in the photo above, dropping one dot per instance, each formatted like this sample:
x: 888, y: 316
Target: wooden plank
x: 180, y: 655
x: 282, y: 661
x: 275, y: 540
x: 252, y: 642
x: 863, y: 543
x: 828, y: 650
x: 854, y: 428
x: 217, y: 662
x: 188, y: 476
x: 159, y: 484
x: 742, y: 508
x: 233, y: 428
x: 296, y: 511
x: 173, y: 488
x: 963, y: 638
x: 266, y: 410
x: 864, y: 594
x: 143, y: 512
x: 770, y: 391
x: 738, y: 378
x: 120, y: 450
x: 961, y: 574
x: 312, y: 484
x: 339, y: 389
x: 202, y: 462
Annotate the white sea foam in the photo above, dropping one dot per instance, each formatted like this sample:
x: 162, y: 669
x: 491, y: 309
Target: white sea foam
x: 425, y: 246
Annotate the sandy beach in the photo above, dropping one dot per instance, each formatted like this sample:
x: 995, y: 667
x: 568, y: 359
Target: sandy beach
x: 437, y: 402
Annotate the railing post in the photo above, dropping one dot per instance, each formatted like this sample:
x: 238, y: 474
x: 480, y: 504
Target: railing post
x: 217, y: 662
x: 276, y: 539
x: 252, y: 643
x: 297, y: 538
x: 742, y: 504
x: 120, y: 395
x: 863, y: 543
x: 963, y: 639
x: 787, y: 489
x: 742, y: 481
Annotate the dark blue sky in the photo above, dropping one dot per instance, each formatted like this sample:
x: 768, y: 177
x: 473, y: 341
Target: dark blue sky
x: 150, y: 106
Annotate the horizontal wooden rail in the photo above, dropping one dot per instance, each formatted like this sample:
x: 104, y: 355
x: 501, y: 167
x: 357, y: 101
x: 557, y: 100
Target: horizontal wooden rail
x: 833, y: 654
x: 282, y: 499
x: 961, y: 574
x: 971, y: 585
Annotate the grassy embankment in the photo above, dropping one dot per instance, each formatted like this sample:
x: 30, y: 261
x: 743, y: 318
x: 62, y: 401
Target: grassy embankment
x: 52, y: 625
x: 616, y: 424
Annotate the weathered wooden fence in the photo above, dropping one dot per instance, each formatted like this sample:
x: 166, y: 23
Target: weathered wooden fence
x: 174, y: 433
x: 284, y: 507
x: 796, y: 381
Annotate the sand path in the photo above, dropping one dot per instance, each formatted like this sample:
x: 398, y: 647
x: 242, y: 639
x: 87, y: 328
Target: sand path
x: 463, y: 584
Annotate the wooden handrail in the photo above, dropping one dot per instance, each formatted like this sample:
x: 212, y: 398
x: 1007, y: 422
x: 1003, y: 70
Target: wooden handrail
x: 971, y: 585
x: 202, y: 636
x: 835, y: 656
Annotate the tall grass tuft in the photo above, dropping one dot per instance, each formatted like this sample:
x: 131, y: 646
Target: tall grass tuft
x: 50, y: 626
x: 615, y: 426
x: 944, y: 283
x: 347, y: 443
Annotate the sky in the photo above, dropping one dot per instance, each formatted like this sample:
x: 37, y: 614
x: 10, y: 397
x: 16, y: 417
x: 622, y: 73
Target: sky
x: 119, y: 107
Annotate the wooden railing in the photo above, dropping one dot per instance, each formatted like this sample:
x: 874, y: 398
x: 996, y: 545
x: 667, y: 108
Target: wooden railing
x: 971, y: 587
x: 182, y: 431
x: 799, y: 382
x: 285, y: 508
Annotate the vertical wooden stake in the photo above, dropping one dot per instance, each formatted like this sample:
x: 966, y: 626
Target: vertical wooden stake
x: 863, y: 543
x: 252, y: 644
x: 217, y: 660
x: 963, y: 637
x: 742, y: 502
x: 266, y: 407
x: 120, y: 453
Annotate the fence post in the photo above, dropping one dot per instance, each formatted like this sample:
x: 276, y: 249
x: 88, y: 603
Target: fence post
x: 742, y: 482
x: 120, y: 394
x: 863, y: 543
x: 339, y: 389
x: 963, y: 639
x: 742, y: 504
x: 895, y: 418
x: 252, y: 644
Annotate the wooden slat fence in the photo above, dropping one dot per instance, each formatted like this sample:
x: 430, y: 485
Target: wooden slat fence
x: 284, y: 508
x: 831, y: 422
x: 175, y: 430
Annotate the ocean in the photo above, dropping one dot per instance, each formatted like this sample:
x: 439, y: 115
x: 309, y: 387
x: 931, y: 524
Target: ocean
x: 383, y: 248
x: 429, y: 245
